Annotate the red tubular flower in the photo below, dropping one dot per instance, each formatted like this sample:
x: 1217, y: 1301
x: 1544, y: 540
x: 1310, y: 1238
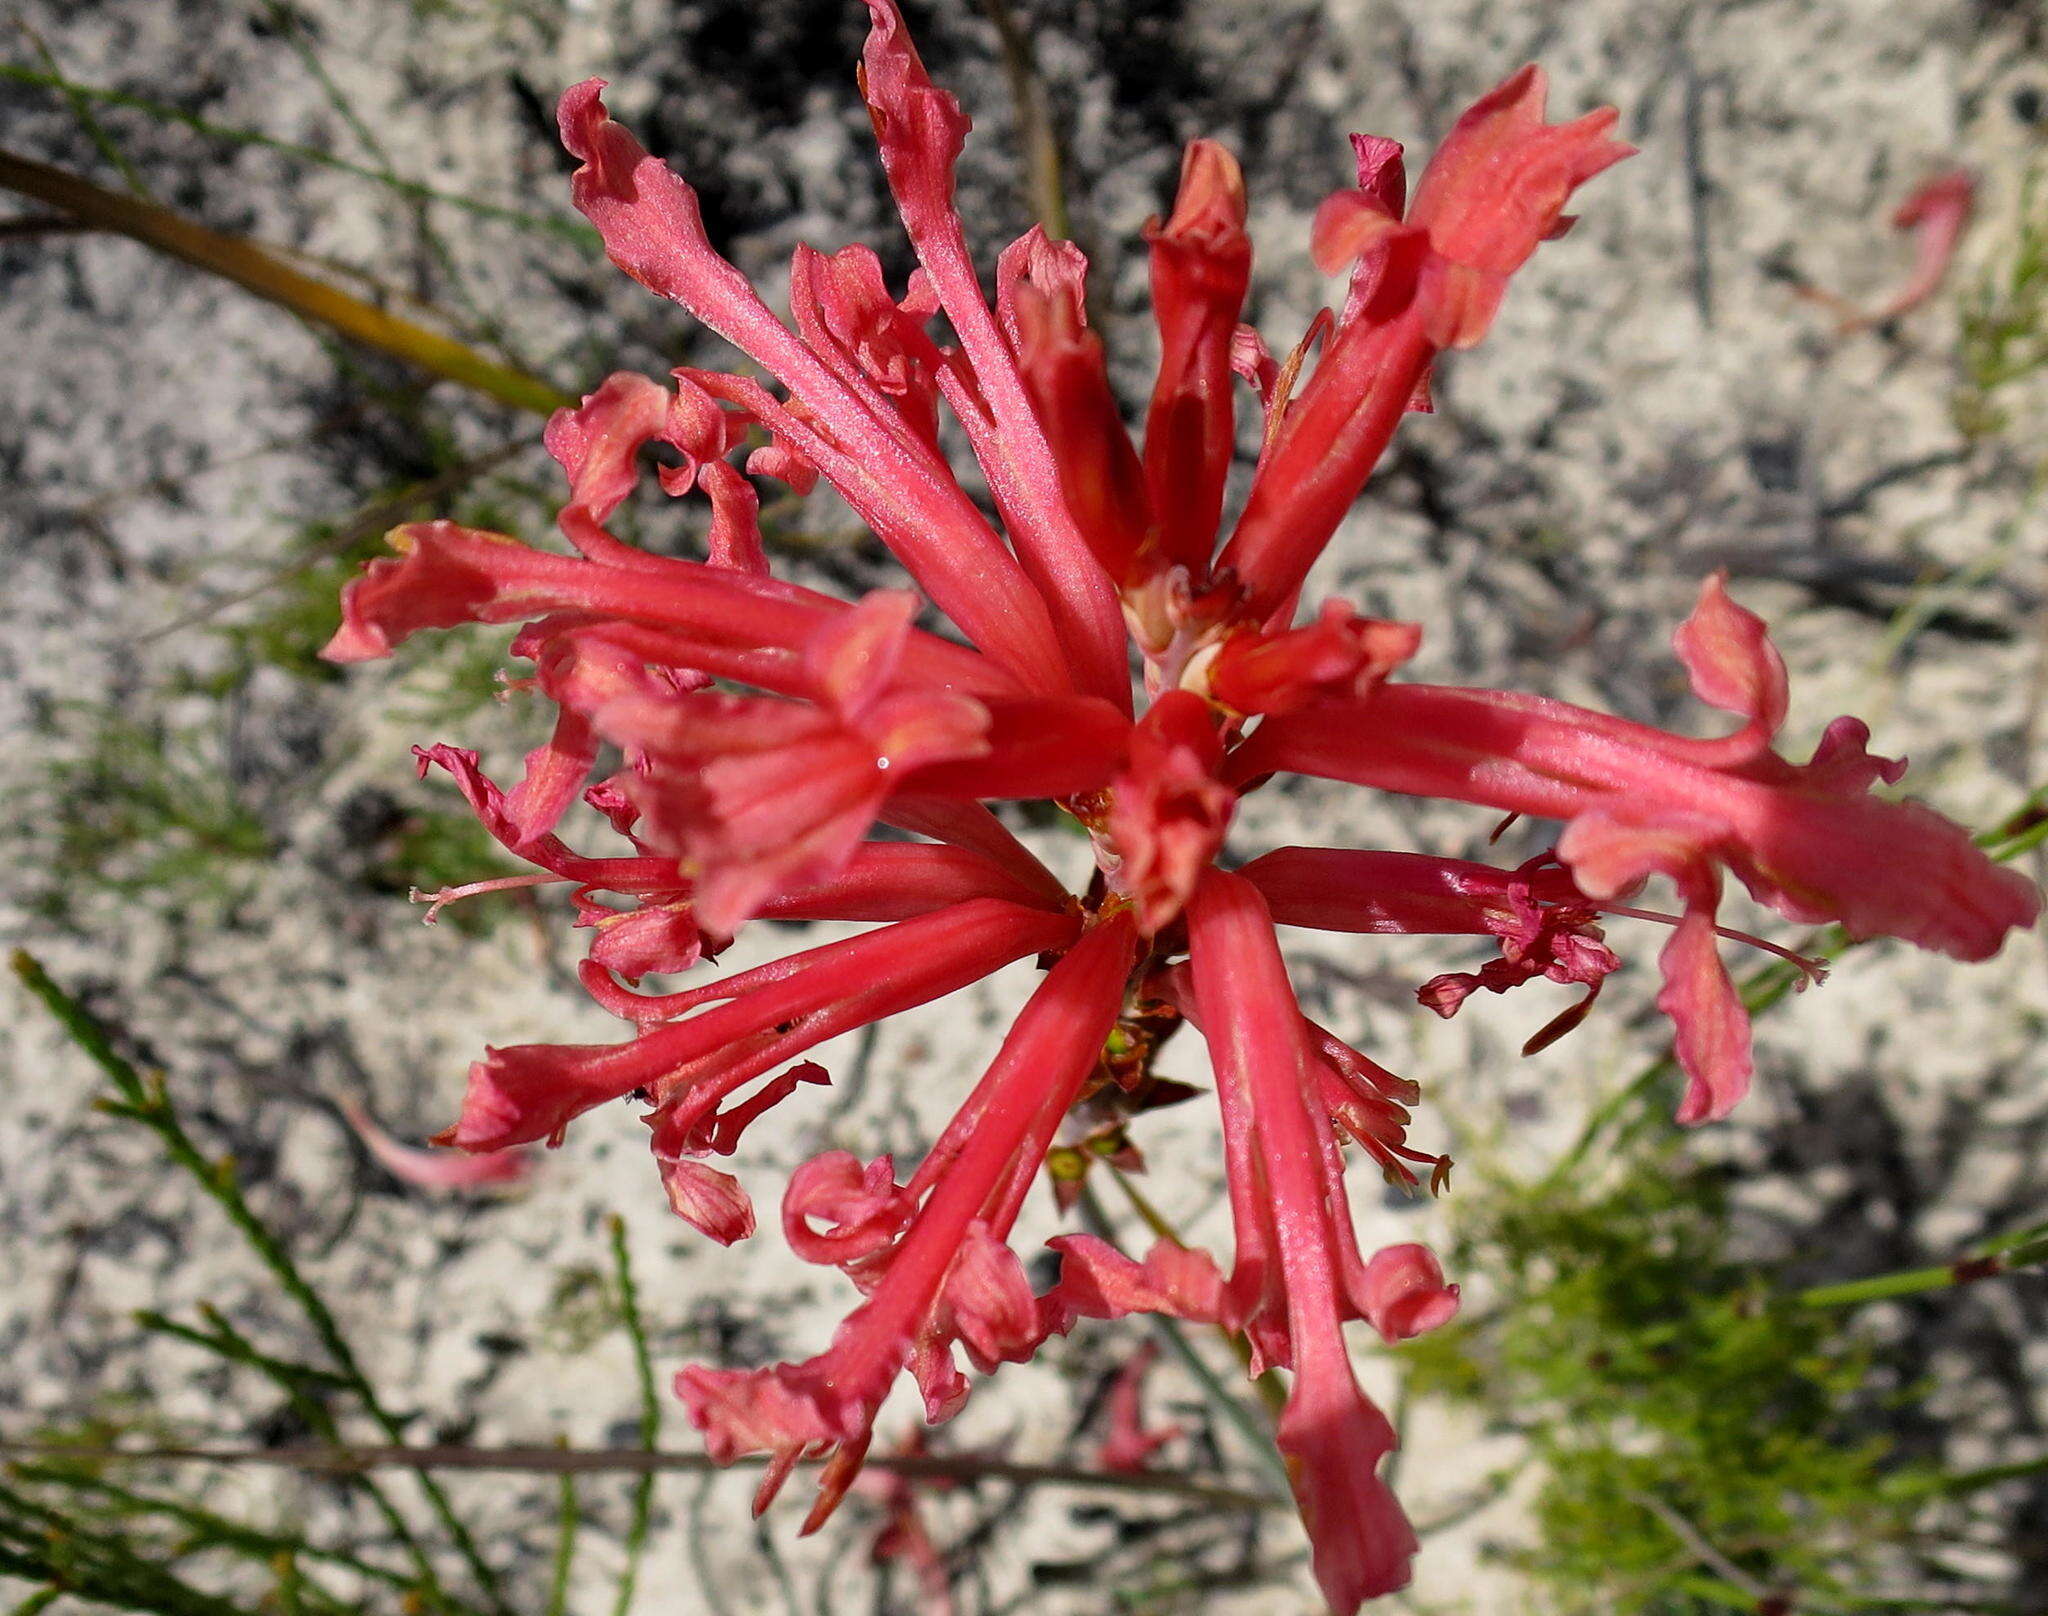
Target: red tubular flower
x: 1289, y: 1278
x: 1201, y: 267
x: 919, y: 130
x: 533, y: 1091
x: 1339, y: 654
x: 854, y: 435
x: 1937, y: 214
x: 1807, y: 840
x: 781, y: 754
x: 1166, y: 812
x: 762, y: 795
x: 435, y: 1169
x: 948, y: 1278
x: 722, y: 622
x: 1407, y: 894
x: 1496, y: 187
x: 1040, y: 297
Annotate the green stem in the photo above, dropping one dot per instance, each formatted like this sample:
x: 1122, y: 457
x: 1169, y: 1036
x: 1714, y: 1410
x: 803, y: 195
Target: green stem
x: 351, y: 1460
x: 1035, y: 132
x: 1987, y: 1263
x: 568, y: 1517
x: 286, y: 21
x: 1713, y: 1591
x: 1257, y: 1436
x: 81, y: 109
x: 148, y: 1102
x: 39, y: 1544
x: 232, y: 1345
x: 211, y: 1528
x: 1717, y: 1591
x: 294, y: 1376
x: 567, y: 229
x: 1971, y: 1481
x: 650, y: 1416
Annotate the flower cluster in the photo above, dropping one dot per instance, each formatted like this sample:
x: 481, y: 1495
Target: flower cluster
x: 761, y: 749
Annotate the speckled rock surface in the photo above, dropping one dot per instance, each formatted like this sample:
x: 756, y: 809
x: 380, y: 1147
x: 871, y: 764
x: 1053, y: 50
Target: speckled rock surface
x: 1655, y: 401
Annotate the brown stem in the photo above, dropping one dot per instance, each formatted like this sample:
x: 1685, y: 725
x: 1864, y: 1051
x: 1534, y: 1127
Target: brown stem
x: 42, y: 224
x: 1034, y: 122
x: 565, y: 1461
x: 255, y: 269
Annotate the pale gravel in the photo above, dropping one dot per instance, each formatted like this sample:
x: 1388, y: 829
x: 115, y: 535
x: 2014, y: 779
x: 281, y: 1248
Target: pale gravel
x: 1614, y: 439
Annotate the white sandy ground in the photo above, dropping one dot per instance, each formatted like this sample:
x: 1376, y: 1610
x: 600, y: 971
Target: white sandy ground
x: 1652, y: 403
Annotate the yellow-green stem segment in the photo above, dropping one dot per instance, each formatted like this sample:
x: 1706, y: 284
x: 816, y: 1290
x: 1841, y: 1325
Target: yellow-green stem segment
x: 257, y: 270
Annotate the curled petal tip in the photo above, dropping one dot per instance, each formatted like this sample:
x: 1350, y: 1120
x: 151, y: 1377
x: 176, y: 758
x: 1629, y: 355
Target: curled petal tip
x: 1495, y: 189
x: 1211, y: 198
x: 1711, y: 1027
x: 1728, y: 654
x: 1948, y: 193
x: 1348, y: 225
x: 1405, y: 1294
x: 583, y: 121
x: 1362, y: 1545
x: 440, y: 1168
x: 1382, y: 170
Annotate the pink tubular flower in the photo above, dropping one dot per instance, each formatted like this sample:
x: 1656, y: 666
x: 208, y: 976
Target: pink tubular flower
x: 435, y: 1169
x: 1297, y: 1275
x: 903, y: 1535
x: 1129, y: 1446
x: 1808, y: 840
x: 930, y: 1254
x: 772, y: 752
x: 1936, y: 213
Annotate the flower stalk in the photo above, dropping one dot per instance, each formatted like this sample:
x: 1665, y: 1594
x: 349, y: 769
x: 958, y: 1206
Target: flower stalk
x: 255, y: 269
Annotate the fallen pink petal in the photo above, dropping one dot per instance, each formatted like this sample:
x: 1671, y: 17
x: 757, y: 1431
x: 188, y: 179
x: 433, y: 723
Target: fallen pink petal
x: 1935, y: 215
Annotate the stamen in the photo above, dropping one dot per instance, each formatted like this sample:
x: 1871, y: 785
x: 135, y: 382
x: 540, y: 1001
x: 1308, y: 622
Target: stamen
x: 437, y: 901
x: 1810, y: 970
x: 1560, y: 1024
x: 1290, y: 372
